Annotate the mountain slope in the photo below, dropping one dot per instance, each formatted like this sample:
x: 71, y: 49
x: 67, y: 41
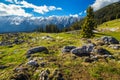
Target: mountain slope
x: 27, y: 24
x: 107, y: 13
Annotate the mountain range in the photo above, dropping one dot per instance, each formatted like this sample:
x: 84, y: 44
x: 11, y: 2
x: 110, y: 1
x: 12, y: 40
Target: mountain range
x: 28, y: 24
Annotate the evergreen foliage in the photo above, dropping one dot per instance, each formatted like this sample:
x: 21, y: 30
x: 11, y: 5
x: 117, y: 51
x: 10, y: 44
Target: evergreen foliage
x: 108, y: 13
x: 89, y: 24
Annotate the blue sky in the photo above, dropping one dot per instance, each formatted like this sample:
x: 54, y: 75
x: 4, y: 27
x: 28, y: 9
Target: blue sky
x: 50, y: 7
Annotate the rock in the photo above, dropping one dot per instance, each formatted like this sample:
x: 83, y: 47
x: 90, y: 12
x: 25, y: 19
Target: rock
x: 33, y: 63
x: 95, y: 58
x: 109, y: 40
x: 67, y: 49
x: 42, y: 64
x: 48, y: 38
x: 36, y: 49
x: 108, y: 56
x: 84, y: 50
x: 80, y: 51
x: 101, y: 51
x: 3, y: 67
x: 17, y: 41
x: 44, y: 75
x: 90, y: 47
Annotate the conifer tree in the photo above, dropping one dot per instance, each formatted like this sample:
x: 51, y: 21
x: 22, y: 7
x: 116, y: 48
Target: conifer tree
x: 88, y: 24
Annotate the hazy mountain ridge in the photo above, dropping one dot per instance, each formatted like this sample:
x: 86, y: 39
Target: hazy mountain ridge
x: 27, y: 24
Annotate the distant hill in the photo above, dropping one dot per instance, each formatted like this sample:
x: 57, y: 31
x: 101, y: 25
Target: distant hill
x: 108, y: 13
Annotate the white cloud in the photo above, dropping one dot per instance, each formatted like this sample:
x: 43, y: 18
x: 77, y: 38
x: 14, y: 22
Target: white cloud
x: 17, y: 8
x: 11, y: 1
x: 39, y: 9
x: 85, y: 11
x: 102, y: 3
x: 80, y: 13
x: 73, y: 15
x: 11, y: 9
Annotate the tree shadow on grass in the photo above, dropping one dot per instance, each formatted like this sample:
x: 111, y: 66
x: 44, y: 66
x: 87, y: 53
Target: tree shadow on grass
x: 101, y: 34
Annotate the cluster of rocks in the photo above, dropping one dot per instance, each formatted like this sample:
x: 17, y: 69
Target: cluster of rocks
x: 81, y: 51
x: 109, y: 40
x: 9, y: 39
x: 93, y: 51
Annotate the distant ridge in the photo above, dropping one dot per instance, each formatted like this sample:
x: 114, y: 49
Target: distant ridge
x: 108, y: 13
x: 28, y: 24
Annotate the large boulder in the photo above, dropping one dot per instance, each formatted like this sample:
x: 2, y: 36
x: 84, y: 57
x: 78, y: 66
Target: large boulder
x: 67, y: 49
x: 109, y: 40
x: 84, y: 50
x: 37, y: 49
x: 80, y: 52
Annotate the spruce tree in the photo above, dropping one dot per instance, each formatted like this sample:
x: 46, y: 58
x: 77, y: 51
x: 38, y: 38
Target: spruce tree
x: 88, y: 24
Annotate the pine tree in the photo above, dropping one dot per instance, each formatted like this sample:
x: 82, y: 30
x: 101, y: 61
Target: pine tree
x: 88, y: 24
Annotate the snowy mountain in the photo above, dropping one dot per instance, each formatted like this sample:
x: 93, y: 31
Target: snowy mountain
x: 27, y: 24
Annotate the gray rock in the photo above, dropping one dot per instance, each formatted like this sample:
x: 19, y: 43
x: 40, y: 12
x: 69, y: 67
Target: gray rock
x: 42, y: 64
x: 48, y: 38
x: 80, y: 51
x: 84, y: 50
x: 3, y: 67
x: 108, y: 56
x: 67, y: 49
x: 109, y: 40
x: 33, y: 63
x: 37, y: 49
x: 101, y: 51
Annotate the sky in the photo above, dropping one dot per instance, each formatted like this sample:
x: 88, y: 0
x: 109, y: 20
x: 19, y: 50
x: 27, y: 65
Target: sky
x: 46, y: 8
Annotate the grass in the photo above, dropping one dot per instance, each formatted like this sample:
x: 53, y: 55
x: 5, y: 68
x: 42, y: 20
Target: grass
x: 72, y: 69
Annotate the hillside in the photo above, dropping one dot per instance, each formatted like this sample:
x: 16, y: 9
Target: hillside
x: 15, y: 63
x: 108, y: 13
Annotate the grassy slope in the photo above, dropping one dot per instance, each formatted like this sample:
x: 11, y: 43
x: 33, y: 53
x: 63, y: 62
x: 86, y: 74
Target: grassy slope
x: 72, y: 69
